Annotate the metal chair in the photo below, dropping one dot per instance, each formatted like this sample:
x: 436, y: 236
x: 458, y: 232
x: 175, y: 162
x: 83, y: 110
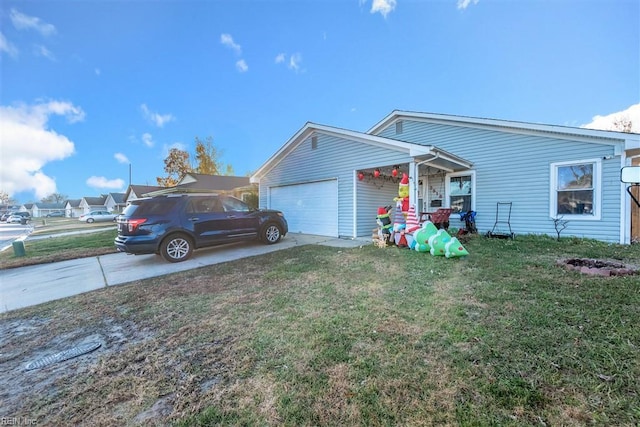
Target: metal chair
x: 439, y: 218
x: 503, y: 222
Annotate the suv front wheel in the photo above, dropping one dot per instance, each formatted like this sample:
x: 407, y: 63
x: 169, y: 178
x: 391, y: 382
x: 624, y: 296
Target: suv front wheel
x: 176, y: 248
x: 271, y: 234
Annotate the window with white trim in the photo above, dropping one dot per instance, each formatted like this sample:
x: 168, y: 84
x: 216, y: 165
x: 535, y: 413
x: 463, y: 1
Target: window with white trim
x: 575, y: 189
x: 460, y: 191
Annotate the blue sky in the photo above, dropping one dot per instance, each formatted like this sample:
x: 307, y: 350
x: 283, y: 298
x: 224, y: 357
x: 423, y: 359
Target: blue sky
x: 89, y: 87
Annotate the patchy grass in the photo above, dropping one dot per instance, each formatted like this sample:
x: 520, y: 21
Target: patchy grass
x: 321, y: 336
x: 61, y: 248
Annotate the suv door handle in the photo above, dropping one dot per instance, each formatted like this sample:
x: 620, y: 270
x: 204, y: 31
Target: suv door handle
x: 194, y: 219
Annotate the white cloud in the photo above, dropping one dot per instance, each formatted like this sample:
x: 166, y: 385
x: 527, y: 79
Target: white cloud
x: 7, y: 47
x: 294, y: 62
x: 121, y: 158
x: 40, y: 50
x: 158, y: 119
x: 23, y: 163
x: 384, y: 7
x: 608, y: 122
x: 25, y: 22
x: 242, y: 66
x: 147, y: 140
x: 227, y: 40
x: 463, y: 4
x: 100, y: 182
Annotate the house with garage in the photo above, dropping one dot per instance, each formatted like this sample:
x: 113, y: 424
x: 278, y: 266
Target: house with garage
x: 330, y: 181
x: 114, y: 202
x: 73, y: 209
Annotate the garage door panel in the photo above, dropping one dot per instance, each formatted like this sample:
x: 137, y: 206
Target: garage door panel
x: 309, y: 208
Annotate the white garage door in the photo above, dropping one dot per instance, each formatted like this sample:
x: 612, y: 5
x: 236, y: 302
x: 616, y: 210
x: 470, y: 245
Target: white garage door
x: 310, y: 208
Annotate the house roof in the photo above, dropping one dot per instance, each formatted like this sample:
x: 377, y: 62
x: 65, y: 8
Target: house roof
x: 202, y: 181
x: 198, y: 182
x: 141, y: 190
x: 632, y: 140
x: 50, y: 205
x: 430, y: 153
x: 95, y: 201
x: 117, y: 197
x: 74, y: 203
x: 443, y: 159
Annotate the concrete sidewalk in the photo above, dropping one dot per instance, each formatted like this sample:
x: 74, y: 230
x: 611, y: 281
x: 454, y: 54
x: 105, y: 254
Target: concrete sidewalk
x: 27, y: 286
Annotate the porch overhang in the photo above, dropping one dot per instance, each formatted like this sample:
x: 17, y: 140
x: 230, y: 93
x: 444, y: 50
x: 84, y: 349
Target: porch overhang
x: 435, y: 157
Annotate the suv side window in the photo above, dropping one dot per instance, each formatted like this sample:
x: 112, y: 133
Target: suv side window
x: 204, y: 205
x: 235, y: 205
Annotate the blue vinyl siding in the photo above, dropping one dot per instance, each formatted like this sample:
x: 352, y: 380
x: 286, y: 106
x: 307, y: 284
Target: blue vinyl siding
x: 515, y: 167
x: 337, y: 158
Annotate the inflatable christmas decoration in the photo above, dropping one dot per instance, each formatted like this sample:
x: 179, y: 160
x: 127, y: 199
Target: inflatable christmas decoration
x: 399, y: 227
x: 422, y: 235
x: 454, y: 249
x: 384, y: 224
x: 438, y: 241
x: 403, y: 193
x: 406, y: 231
x: 411, y: 227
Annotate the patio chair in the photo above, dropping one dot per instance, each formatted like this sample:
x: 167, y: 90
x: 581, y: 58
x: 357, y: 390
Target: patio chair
x: 439, y: 218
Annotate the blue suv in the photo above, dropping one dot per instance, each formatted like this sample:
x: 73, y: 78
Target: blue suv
x: 174, y: 225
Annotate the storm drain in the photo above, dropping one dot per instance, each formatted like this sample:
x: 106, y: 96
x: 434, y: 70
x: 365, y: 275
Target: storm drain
x: 63, y: 355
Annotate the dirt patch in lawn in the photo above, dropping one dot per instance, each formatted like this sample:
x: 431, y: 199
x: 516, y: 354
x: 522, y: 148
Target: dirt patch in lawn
x: 598, y: 267
x: 23, y: 341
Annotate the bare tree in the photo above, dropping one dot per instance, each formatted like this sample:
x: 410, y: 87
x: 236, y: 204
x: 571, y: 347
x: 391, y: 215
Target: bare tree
x: 54, y: 198
x: 623, y: 124
x: 560, y: 224
x: 5, y: 199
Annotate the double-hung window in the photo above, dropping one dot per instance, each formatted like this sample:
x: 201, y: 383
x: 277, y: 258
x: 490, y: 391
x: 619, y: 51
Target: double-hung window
x: 460, y: 190
x: 575, y: 189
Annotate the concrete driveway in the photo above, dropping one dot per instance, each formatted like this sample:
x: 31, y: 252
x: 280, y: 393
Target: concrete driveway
x: 28, y: 286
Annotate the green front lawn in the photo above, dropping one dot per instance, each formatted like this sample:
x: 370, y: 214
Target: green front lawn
x: 323, y: 336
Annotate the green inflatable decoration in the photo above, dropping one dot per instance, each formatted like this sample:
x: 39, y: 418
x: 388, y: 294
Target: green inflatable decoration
x: 438, y: 241
x: 422, y: 235
x: 454, y: 249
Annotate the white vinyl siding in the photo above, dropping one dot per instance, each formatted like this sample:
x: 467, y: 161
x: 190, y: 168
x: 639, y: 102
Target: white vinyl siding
x: 310, y: 208
x: 514, y: 167
x: 337, y: 158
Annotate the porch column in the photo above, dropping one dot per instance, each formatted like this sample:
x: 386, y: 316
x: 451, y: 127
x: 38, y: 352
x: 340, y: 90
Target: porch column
x: 413, y: 185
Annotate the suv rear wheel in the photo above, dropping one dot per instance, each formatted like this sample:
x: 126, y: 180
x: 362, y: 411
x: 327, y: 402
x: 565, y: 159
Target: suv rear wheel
x: 271, y: 234
x: 176, y: 248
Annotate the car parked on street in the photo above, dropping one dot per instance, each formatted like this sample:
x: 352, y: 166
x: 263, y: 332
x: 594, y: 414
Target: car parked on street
x: 16, y: 218
x: 6, y: 215
x: 174, y: 225
x: 97, y: 216
x: 57, y: 214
